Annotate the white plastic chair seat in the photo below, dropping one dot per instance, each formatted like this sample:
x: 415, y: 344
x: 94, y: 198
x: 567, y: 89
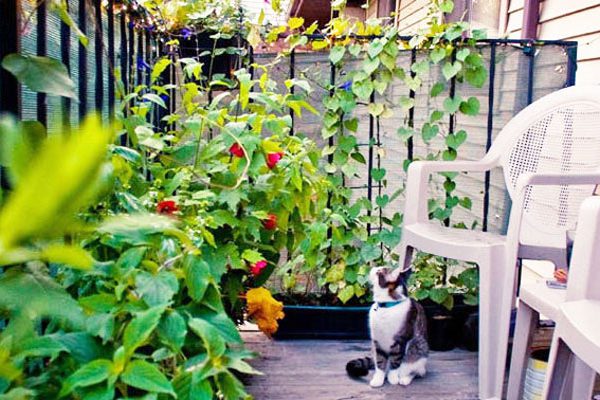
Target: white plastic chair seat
x: 450, y: 242
x: 538, y: 296
x: 579, y: 328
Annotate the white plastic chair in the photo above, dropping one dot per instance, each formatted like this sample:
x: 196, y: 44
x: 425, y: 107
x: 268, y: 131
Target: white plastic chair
x: 536, y: 298
x: 550, y: 145
x: 576, y: 337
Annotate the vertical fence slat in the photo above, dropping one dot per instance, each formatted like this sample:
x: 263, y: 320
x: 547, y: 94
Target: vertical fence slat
x: 292, y: 75
x: 42, y: 50
x: 370, y: 163
x: 111, y: 60
x: 65, y: 46
x: 490, y: 129
x: 99, y: 50
x: 82, y: 61
x: 530, y: 72
x: 411, y: 111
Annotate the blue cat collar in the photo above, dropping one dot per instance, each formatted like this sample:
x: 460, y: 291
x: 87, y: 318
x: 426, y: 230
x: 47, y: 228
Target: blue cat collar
x: 388, y: 304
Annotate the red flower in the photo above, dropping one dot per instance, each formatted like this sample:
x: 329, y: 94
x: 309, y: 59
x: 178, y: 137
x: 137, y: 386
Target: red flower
x: 273, y: 159
x: 270, y: 223
x: 167, y: 207
x: 257, y: 267
x: 236, y: 150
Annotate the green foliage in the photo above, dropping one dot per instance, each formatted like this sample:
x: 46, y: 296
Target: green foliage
x: 40, y: 74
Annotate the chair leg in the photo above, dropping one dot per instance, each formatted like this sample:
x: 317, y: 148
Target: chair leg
x: 496, y: 283
x: 558, y: 365
x: 527, y: 319
x: 582, y: 380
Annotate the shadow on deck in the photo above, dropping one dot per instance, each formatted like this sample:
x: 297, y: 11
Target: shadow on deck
x: 315, y: 370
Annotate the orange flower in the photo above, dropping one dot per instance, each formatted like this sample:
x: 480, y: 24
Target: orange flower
x: 264, y: 310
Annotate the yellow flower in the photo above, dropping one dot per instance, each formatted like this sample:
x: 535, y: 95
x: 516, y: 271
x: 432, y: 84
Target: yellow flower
x: 264, y: 310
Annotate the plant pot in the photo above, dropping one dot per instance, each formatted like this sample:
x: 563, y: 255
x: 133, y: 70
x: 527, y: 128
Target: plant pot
x: 447, y: 329
x: 320, y: 322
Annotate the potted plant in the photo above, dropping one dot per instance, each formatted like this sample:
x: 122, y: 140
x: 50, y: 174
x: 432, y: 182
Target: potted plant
x: 448, y: 291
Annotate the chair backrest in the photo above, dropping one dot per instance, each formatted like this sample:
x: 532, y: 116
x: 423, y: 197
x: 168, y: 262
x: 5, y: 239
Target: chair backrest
x: 559, y: 133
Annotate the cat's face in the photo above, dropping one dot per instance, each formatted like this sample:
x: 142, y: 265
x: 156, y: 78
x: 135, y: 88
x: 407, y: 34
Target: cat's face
x: 388, y: 284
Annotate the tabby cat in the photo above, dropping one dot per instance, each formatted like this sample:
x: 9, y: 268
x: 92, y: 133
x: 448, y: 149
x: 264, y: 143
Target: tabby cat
x: 398, y: 332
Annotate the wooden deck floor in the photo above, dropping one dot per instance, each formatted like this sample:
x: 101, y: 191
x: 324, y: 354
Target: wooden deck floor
x: 315, y: 370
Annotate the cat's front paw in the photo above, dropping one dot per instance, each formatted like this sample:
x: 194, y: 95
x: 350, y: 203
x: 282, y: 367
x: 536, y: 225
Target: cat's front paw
x: 393, y: 377
x: 405, y: 380
x: 378, y: 379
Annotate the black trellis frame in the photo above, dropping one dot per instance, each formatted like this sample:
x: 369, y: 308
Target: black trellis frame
x: 529, y: 48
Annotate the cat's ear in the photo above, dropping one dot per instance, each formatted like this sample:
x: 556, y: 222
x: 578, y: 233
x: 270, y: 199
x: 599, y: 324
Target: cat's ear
x: 403, y: 274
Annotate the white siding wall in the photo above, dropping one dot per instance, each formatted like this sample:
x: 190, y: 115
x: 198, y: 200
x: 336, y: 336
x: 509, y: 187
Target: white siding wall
x: 569, y: 20
x: 411, y: 15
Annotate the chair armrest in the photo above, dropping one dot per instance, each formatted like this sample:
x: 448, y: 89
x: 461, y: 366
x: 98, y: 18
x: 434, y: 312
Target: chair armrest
x: 415, y: 209
x: 557, y: 179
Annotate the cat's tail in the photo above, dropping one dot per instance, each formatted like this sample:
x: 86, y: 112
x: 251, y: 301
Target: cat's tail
x: 359, y: 367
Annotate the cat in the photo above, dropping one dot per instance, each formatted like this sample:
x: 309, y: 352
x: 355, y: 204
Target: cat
x: 398, y: 332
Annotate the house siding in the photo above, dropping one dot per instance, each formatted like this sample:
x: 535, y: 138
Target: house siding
x: 577, y: 20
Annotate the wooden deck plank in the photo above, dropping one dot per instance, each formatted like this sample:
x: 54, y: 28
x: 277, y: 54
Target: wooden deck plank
x: 315, y: 370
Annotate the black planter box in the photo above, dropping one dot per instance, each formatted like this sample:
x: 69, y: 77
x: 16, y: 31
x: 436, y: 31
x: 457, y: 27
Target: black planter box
x: 447, y: 329
x: 320, y: 322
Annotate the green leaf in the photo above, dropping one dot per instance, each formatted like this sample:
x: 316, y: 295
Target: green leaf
x: 470, y: 106
x: 141, y: 374
x: 213, y: 341
x: 466, y: 202
x: 154, y: 98
x: 454, y: 140
x: 421, y: 67
x: 156, y: 289
x: 89, y: 374
x: 447, y: 6
x: 141, y: 327
x: 406, y: 103
x: 192, y: 386
x: 449, y: 70
x: 172, y: 330
x: 72, y: 256
x: 437, y: 55
x: 336, y: 54
x: 462, y: 54
x: 252, y: 256
x: 370, y: 252
x: 451, y: 105
x: 378, y: 173
x: 405, y: 133
x: 37, y: 295
x: 436, y: 89
x: 382, y: 201
x: 197, y: 277
x: 346, y: 293
x: 429, y: 131
x: 363, y: 89
x: 370, y: 65
x: 376, y: 109
x: 41, y: 74
x: 60, y: 7
x: 159, y: 67
x: 101, y: 325
x: 230, y: 386
x: 375, y: 47
x: 65, y: 173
